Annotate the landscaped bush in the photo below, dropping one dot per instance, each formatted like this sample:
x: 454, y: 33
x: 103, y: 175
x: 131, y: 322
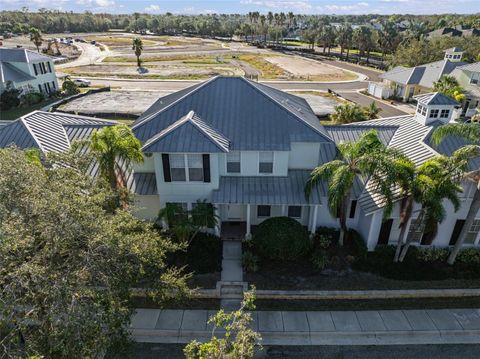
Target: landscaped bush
x: 319, y: 258
x: 249, y: 262
x: 355, y: 245
x: 31, y: 98
x: 432, y: 254
x: 469, y: 256
x: 204, y: 254
x: 325, y: 237
x: 281, y: 238
x: 9, y: 99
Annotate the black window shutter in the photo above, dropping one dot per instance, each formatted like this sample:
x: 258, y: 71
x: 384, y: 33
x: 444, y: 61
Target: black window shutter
x: 49, y: 67
x: 166, y: 167
x: 35, y: 69
x: 206, y: 168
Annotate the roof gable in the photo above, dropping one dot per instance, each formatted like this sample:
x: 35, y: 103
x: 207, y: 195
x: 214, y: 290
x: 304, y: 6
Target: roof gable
x: 21, y: 55
x: 435, y: 98
x: 188, y: 134
x: 9, y: 72
x: 252, y: 116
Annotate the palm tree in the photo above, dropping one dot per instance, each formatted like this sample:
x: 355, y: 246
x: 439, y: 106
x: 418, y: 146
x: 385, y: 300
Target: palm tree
x: 372, y: 111
x: 470, y: 132
x: 137, y: 46
x: 366, y: 158
x: 36, y: 37
x: 114, y: 148
x: 347, y: 113
x: 344, y: 38
x: 449, y: 86
x: 437, y: 179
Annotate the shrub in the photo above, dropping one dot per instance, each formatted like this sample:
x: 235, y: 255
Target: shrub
x: 9, y: 99
x: 355, y: 245
x: 250, y: 262
x: 281, y: 238
x: 204, y: 254
x: 325, y: 237
x: 432, y: 254
x: 31, y: 98
x: 469, y: 256
x: 319, y: 258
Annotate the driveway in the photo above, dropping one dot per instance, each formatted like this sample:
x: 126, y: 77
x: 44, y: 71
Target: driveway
x: 90, y: 55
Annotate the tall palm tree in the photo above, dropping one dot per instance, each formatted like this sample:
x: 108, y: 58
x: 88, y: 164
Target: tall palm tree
x: 366, y: 158
x: 449, y: 86
x: 347, y: 113
x: 344, y: 38
x: 36, y: 37
x: 437, y: 179
x: 115, y: 148
x: 470, y: 132
x: 137, y: 47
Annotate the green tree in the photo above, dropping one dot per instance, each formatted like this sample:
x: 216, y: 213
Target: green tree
x: 69, y: 87
x: 367, y: 158
x: 68, y: 267
x: 137, y: 47
x: 470, y: 132
x: 344, y: 38
x: 437, y: 179
x: 449, y: 86
x: 372, y: 111
x: 238, y: 342
x: 36, y: 37
x: 347, y: 113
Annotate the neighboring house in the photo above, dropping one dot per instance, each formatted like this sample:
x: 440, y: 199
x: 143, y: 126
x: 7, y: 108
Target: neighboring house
x: 468, y: 76
x: 27, y: 71
x: 445, y: 31
x: 248, y: 149
x: 406, y: 82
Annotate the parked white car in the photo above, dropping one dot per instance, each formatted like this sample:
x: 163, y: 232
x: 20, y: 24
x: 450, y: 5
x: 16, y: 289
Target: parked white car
x: 81, y: 82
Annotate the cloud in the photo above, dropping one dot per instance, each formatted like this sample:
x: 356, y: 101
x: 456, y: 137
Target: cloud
x: 96, y: 3
x: 291, y: 5
x: 152, y: 9
x: 357, y: 8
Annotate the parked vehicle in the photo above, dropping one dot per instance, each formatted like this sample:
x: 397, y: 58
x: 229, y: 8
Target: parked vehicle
x: 81, y: 82
x: 93, y: 42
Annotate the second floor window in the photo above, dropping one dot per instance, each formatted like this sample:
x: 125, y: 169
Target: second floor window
x: 233, y: 162
x: 434, y: 113
x: 265, y: 164
x: 444, y: 113
x: 195, y: 167
x: 177, y: 168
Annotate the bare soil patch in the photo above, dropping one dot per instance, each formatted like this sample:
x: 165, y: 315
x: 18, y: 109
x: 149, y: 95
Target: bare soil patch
x: 310, y: 70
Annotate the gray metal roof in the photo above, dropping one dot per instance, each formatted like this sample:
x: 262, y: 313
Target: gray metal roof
x: 340, y: 133
x: 21, y: 55
x: 8, y: 72
x: 423, y: 75
x: 252, y: 116
x: 189, y: 134
x: 435, y: 98
x: 144, y: 184
x: 49, y: 131
x: 475, y: 67
x: 268, y: 190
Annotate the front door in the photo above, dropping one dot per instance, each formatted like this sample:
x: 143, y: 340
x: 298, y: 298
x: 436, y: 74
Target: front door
x: 235, y: 212
x: 385, y: 230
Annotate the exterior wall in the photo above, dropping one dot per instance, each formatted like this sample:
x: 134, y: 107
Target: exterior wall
x: 249, y: 164
x: 147, y: 207
x: 148, y: 165
x: 303, y: 155
x: 188, y: 192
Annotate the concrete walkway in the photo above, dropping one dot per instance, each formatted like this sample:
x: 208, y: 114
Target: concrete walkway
x: 231, y: 283
x: 384, y: 327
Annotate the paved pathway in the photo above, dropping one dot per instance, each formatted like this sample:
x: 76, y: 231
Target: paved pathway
x: 384, y: 327
x: 231, y: 282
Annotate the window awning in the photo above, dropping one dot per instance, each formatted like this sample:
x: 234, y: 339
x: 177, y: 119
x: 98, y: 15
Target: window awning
x: 288, y: 190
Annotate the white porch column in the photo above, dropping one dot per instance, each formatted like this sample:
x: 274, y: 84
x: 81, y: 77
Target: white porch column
x: 284, y: 210
x: 314, y: 219
x: 374, y: 231
x: 219, y: 220
x: 248, y: 234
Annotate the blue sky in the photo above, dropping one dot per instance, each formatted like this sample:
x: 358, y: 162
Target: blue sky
x: 244, y: 6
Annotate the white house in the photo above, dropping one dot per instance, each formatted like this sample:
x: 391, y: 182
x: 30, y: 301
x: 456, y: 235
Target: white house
x: 248, y: 149
x: 27, y: 70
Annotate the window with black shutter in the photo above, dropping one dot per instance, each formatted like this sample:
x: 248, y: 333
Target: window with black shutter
x: 49, y: 67
x: 353, y: 207
x: 35, y: 69
x: 206, y: 168
x: 166, y: 167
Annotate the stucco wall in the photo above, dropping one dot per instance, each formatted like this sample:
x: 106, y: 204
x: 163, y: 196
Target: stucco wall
x: 147, y: 207
x: 303, y: 155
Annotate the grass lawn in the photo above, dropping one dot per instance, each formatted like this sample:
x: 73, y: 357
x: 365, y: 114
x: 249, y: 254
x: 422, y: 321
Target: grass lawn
x: 15, y: 113
x: 268, y: 70
x: 115, y: 41
x: 186, y: 59
x: 356, y: 52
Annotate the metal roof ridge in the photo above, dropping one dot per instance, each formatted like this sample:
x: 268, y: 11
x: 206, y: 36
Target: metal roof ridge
x: 174, y: 102
x: 193, y: 120
x: 29, y: 129
x: 288, y: 110
x: 90, y: 118
x: 166, y: 130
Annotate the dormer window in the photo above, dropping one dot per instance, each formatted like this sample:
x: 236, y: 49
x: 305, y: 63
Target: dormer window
x: 233, y: 162
x: 434, y: 113
x: 444, y: 113
x: 265, y: 164
x: 422, y: 110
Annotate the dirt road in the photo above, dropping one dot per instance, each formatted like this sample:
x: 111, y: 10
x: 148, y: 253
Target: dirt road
x: 90, y: 55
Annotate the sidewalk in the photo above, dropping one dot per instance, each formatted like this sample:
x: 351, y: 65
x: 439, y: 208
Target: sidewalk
x: 384, y: 327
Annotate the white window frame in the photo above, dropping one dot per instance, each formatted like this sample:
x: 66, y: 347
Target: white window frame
x: 445, y: 113
x: 273, y: 163
x: 476, y: 223
x: 301, y: 212
x: 264, y: 205
x: 186, y: 167
x: 239, y: 162
x: 432, y: 111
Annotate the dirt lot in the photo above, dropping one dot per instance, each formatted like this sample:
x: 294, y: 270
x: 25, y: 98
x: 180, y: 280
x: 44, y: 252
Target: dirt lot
x: 24, y: 41
x: 310, y: 70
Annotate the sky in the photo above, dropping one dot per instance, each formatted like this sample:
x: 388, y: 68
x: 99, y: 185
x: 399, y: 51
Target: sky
x: 339, y: 7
